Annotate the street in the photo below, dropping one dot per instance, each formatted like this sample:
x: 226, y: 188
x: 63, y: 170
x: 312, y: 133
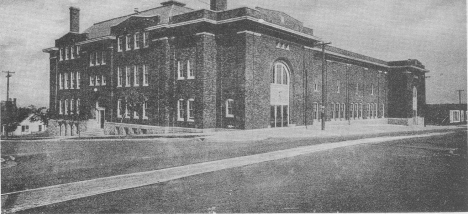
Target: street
x: 412, y: 175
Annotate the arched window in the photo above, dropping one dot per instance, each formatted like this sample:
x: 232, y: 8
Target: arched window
x: 280, y: 74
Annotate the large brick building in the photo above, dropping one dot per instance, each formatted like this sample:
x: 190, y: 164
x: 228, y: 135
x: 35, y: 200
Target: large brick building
x: 243, y: 68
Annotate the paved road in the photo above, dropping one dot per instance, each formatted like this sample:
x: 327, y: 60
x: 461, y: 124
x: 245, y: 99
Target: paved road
x: 428, y: 174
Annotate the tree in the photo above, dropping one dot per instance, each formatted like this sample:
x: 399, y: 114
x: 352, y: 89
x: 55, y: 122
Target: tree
x: 12, y: 119
x: 132, y: 101
x: 41, y: 114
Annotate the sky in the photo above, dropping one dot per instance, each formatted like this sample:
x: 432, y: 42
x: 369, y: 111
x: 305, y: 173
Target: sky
x: 432, y: 31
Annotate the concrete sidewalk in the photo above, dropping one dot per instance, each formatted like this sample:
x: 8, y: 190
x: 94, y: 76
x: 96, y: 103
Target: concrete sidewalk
x: 23, y: 200
x: 332, y: 129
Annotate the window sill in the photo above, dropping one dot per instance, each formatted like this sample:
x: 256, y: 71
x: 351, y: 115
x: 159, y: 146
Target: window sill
x: 191, y: 120
x: 119, y: 86
x: 190, y: 78
x: 230, y: 116
x: 180, y: 120
x: 145, y: 118
x: 145, y: 85
x: 179, y: 78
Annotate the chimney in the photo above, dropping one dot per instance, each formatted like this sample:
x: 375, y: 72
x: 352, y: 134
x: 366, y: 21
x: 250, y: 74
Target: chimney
x: 218, y: 5
x: 74, y: 19
x: 136, y: 10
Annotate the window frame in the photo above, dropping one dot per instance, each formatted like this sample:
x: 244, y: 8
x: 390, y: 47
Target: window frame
x: 128, y: 42
x: 127, y: 76
x: 229, y: 107
x: 104, y: 80
x: 180, y: 75
x: 61, y: 54
x: 91, y: 59
x: 136, y: 76
x: 60, y: 107
x: 72, y: 80
x: 120, y: 44
x: 66, y: 107
x: 78, y: 106
x: 119, y: 77
x: 78, y: 79
x: 190, y: 110
x: 190, y: 71
x: 136, y: 40
x: 145, y: 107
x: 338, y: 85
x: 91, y: 80
x: 60, y: 81
x: 98, y: 80
x: 145, y: 75
x: 119, y: 104
x: 180, y: 110
x: 65, y: 80
x: 67, y: 53
x: 103, y: 57
x: 145, y: 39
x: 72, y: 102
x: 72, y: 52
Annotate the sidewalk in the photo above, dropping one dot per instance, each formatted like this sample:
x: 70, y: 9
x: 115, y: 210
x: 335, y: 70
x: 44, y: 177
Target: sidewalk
x: 23, y: 200
x: 332, y: 129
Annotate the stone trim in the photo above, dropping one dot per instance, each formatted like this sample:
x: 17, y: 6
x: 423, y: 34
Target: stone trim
x: 96, y: 40
x: 205, y: 34
x: 160, y: 39
x: 249, y: 32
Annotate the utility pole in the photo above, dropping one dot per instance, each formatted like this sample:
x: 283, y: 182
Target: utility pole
x: 8, y: 83
x: 459, y: 96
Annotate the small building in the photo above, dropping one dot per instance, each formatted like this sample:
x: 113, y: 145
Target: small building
x: 446, y: 114
x: 27, y: 127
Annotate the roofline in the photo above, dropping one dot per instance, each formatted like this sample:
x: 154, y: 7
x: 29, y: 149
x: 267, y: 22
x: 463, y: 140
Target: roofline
x: 48, y: 50
x: 347, y: 57
x: 96, y: 40
x: 412, y: 66
x: 260, y: 21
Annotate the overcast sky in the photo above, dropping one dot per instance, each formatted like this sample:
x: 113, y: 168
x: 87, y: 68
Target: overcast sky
x: 433, y: 31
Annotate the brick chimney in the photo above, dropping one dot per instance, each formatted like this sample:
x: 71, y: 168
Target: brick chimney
x: 74, y: 19
x: 218, y: 5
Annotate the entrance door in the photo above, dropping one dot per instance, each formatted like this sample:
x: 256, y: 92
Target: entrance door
x: 279, y: 96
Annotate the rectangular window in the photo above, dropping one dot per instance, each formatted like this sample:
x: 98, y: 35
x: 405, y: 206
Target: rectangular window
x: 91, y: 59
x: 357, y: 88
x: 128, y: 42
x: 145, y: 109
x: 315, y: 86
x: 190, y: 114
x: 72, y: 104
x: 72, y: 52
x: 338, y: 87
x: 72, y: 80
x: 180, y: 72
x: 98, y: 58
x: 119, y: 105
x: 104, y: 81
x: 126, y: 110
x: 78, y: 51
x: 60, y: 107
x: 67, y: 53
x: 78, y: 106
x: 120, y: 44
x: 136, y: 40
x: 145, y: 75
x: 98, y: 80
x: 40, y: 128
x: 66, y: 107
x: 136, y: 75
x: 78, y: 80
x: 136, y: 115
x: 145, y: 39
x: 191, y: 73
x: 127, y: 76
x: 104, y: 57
x: 180, y: 110
x: 65, y: 80
x: 229, y: 105
x: 91, y: 80
x: 60, y: 81
x: 119, y: 77
x: 315, y: 110
x: 61, y: 54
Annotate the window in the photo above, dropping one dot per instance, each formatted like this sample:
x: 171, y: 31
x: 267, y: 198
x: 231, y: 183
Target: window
x: 60, y: 107
x: 368, y: 110
x: 72, y: 80
x: 126, y: 110
x: 136, y: 75
x: 65, y: 80
x: 191, y: 74
x: 67, y: 53
x: 180, y: 72
x: 315, y: 86
x: 136, y: 115
x: 119, y: 77
x: 145, y: 75
x: 60, y: 81
x: 61, y: 54
x: 338, y: 87
x: 229, y: 105
x: 190, y: 115
x: 137, y: 40
x: 372, y: 89
x: 145, y: 39
x: 357, y: 88
x: 351, y: 110
x: 280, y: 74
x: 180, y: 110
x: 145, y: 109
x: 72, y: 104
x: 78, y: 51
x: 66, y: 107
x: 98, y: 57
x: 91, y: 80
x: 104, y: 56
x: 120, y: 44
x: 72, y: 52
x: 39, y: 128
x: 119, y: 105
x: 127, y: 76
x: 315, y: 111
x: 78, y: 106
x: 343, y: 110
x: 128, y: 42
x: 78, y: 79
x: 91, y: 59
x: 24, y: 128
x: 104, y: 81
x: 98, y: 80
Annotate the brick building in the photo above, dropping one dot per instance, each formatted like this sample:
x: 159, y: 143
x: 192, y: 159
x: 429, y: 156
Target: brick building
x: 243, y: 68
